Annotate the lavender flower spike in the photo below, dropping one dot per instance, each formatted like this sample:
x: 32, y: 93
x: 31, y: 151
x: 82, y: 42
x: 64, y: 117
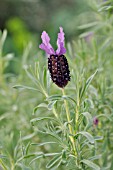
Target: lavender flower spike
x: 46, y: 46
x: 57, y: 62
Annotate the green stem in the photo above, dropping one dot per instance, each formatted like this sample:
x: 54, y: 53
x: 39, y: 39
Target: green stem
x: 77, y: 105
x: 3, y: 165
x: 69, y: 119
x: 77, y: 116
x: 54, y: 110
x: 55, y: 113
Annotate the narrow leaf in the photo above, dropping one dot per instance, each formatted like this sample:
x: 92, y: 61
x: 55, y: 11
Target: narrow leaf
x: 22, y: 87
x: 42, y: 118
x: 82, y: 90
x: 42, y: 144
x: 90, y: 164
x: 54, y: 97
x: 88, y: 25
x: 90, y: 79
x: 53, y: 161
x: 43, y: 105
x: 87, y: 135
x: 51, y: 104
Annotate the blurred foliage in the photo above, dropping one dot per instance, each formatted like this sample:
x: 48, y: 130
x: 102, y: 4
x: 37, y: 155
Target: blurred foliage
x: 43, y: 14
x: 31, y: 137
x: 20, y: 34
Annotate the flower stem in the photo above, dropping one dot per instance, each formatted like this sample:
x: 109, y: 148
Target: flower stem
x: 69, y: 119
x: 77, y: 117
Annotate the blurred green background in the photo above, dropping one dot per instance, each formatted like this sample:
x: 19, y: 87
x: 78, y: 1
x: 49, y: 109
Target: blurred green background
x: 88, y: 27
x: 26, y: 19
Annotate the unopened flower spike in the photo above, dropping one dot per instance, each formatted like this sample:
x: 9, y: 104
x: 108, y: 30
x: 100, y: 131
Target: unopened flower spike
x: 95, y: 121
x: 57, y: 62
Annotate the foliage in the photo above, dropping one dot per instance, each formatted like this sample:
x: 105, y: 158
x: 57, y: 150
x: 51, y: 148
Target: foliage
x: 20, y: 34
x: 59, y: 133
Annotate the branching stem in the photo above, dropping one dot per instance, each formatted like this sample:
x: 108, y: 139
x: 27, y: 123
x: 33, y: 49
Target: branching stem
x: 69, y: 119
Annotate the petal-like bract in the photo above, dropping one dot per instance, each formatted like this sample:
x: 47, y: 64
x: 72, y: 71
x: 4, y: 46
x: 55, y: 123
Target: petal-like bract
x: 60, y: 42
x: 46, y: 46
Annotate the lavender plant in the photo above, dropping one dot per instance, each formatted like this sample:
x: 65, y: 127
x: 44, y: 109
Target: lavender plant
x: 71, y: 123
x: 70, y: 120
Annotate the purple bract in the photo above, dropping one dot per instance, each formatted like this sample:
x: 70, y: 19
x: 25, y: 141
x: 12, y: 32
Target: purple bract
x: 47, y: 47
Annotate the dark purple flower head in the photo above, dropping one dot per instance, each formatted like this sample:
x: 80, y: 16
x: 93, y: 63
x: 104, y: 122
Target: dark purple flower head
x: 47, y: 47
x: 95, y: 121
